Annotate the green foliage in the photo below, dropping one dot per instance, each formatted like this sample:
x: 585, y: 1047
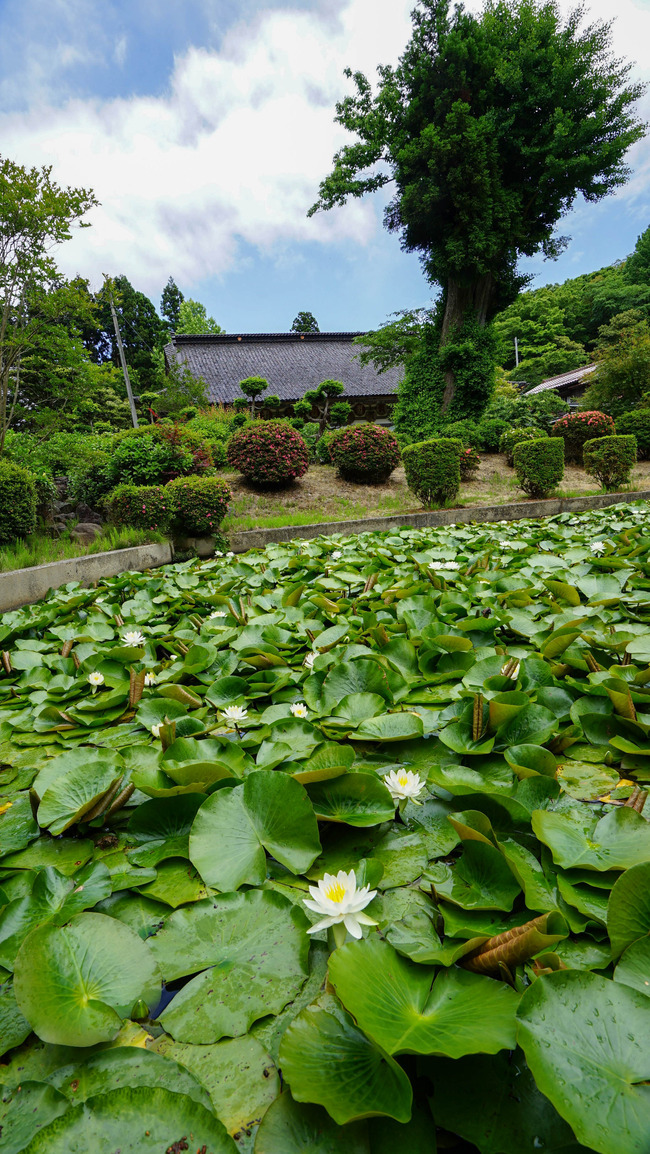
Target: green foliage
x: 469, y: 464
x: 145, y: 457
x: 623, y: 373
x: 322, y: 448
x: 193, y: 319
x: 576, y: 428
x: 199, y: 504
x: 170, y: 304
x: 610, y: 459
x: 141, y: 507
x: 489, y: 432
x: 143, y: 332
x: 329, y: 412
x: 17, y: 502
x: 59, y: 453
x: 433, y: 470
x: 176, y: 387
x: 540, y: 410
x: 305, y: 322
x: 310, y: 434
x: 253, y: 387
x: 545, y: 350
x: 637, y: 423
x: 394, y: 343
x: 514, y: 437
x: 269, y: 453
x: 637, y: 266
x: 365, y: 453
x: 465, y: 431
x: 539, y: 465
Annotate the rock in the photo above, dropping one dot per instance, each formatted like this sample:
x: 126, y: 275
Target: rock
x: 87, y: 515
x: 64, y: 507
x: 85, y: 532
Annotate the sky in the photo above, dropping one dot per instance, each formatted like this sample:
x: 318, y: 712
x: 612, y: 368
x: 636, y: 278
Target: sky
x: 204, y: 128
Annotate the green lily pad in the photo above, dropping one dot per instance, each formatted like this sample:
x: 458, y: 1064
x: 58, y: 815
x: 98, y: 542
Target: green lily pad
x: 634, y: 967
x: 628, y: 911
x: 358, y: 799
x: 480, y: 880
x: 53, y: 898
x: 290, y: 1127
x: 618, y: 840
x: 25, y: 1111
x: 14, y: 1027
x: 108, y: 1070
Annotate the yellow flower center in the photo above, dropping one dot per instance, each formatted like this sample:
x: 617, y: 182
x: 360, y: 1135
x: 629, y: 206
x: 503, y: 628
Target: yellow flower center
x: 402, y: 779
x: 335, y: 892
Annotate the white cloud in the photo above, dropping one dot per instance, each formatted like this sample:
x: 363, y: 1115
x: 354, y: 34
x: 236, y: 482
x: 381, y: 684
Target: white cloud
x: 232, y: 152
x: 235, y: 148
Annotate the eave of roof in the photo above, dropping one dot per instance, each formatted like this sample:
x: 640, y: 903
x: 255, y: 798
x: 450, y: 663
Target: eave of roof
x: 565, y: 379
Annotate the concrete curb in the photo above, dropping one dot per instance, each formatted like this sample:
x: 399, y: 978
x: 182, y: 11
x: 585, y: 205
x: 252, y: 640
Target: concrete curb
x: 258, y: 538
x: 22, y: 586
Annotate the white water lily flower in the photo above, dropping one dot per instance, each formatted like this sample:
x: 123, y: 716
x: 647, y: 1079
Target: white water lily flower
x: 218, y: 613
x: 95, y: 679
x: 309, y: 660
x: 403, y: 784
x: 133, y: 637
x: 598, y: 547
x: 231, y: 554
x: 299, y: 709
x: 336, y: 554
x: 514, y: 672
x: 218, y: 553
x: 150, y: 679
x: 235, y: 712
x: 449, y: 565
x: 155, y: 729
x: 338, y: 900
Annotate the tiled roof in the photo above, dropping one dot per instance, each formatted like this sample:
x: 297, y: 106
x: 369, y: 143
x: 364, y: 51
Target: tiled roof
x: 565, y: 379
x: 290, y: 362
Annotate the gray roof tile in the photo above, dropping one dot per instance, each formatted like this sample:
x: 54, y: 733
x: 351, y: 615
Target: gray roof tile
x: 291, y: 363
x: 571, y: 378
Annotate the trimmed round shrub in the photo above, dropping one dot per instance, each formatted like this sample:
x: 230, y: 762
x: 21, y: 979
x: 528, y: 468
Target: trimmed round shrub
x: 17, y: 502
x: 610, y: 459
x: 469, y: 464
x: 140, y: 507
x: 576, y: 428
x: 638, y: 424
x: 539, y: 465
x: 465, y: 431
x: 489, y: 432
x: 269, y: 453
x: 198, y: 504
x: 513, y: 437
x: 433, y: 470
x: 364, y: 453
x: 323, y: 450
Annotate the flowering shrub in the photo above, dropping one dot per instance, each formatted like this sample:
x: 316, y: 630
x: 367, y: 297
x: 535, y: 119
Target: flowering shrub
x: 433, y: 470
x: 576, y: 428
x: 155, y: 454
x: 539, y: 465
x: 364, y: 453
x: 198, y: 504
x: 513, y: 437
x: 269, y: 453
x: 610, y: 459
x: 140, y: 506
x: 469, y: 463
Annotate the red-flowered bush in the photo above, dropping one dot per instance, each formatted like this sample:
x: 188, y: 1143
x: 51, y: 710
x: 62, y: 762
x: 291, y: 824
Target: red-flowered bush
x: 576, y: 428
x: 269, y: 453
x: 366, y: 453
x: 198, y: 504
x: 469, y: 464
x: 140, y: 506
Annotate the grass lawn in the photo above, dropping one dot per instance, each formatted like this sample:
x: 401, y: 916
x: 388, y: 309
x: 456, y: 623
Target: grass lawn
x: 40, y: 549
x: 322, y: 496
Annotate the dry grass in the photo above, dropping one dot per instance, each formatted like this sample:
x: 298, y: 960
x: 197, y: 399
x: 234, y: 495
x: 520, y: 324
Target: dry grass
x: 322, y: 496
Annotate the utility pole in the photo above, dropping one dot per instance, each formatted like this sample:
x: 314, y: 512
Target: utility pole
x: 118, y: 337
x: 516, y: 354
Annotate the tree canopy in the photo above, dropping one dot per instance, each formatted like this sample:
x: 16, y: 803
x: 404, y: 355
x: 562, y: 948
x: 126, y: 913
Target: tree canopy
x: 488, y: 129
x: 305, y: 323
x: 170, y: 303
x: 193, y: 319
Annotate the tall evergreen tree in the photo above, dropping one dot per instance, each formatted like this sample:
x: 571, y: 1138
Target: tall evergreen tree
x: 305, y: 323
x: 170, y: 303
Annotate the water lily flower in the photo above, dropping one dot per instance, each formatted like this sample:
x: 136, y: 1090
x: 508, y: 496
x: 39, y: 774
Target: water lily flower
x: 133, y: 637
x: 155, y: 729
x: 230, y: 554
x: 403, y: 784
x: 299, y: 709
x: 336, y: 554
x: 235, y: 712
x: 150, y: 679
x: 340, y: 903
x: 449, y: 565
x: 218, y: 553
x: 218, y: 613
x: 95, y: 679
x: 309, y: 660
x: 598, y: 547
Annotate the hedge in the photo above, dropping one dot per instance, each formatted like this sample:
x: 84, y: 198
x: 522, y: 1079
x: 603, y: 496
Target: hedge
x: 269, y: 453
x: 637, y: 423
x: 539, y: 465
x: 364, y: 453
x: 433, y: 469
x: 513, y: 437
x: 198, y: 504
x: 576, y: 428
x: 17, y: 502
x: 610, y: 459
x: 140, y: 506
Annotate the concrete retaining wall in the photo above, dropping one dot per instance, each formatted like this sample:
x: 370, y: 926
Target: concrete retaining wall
x: 258, y: 538
x: 22, y: 586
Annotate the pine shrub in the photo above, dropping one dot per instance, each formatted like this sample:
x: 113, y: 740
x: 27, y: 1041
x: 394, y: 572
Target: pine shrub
x: 269, y: 453
x: 610, y: 459
x: 433, y: 470
x: 576, y: 428
x: 140, y: 507
x: 637, y: 422
x: 513, y: 437
x: 17, y: 502
x: 198, y: 504
x: 365, y: 453
x: 469, y: 464
x: 539, y: 465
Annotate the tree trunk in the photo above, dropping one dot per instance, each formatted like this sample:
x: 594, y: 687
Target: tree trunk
x: 464, y: 297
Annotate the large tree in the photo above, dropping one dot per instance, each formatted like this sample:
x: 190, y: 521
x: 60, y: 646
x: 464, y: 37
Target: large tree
x: 193, y: 320
x: 488, y: 129
x: 36, y: 215
x: 142, y: 330
x: 170, y: 303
